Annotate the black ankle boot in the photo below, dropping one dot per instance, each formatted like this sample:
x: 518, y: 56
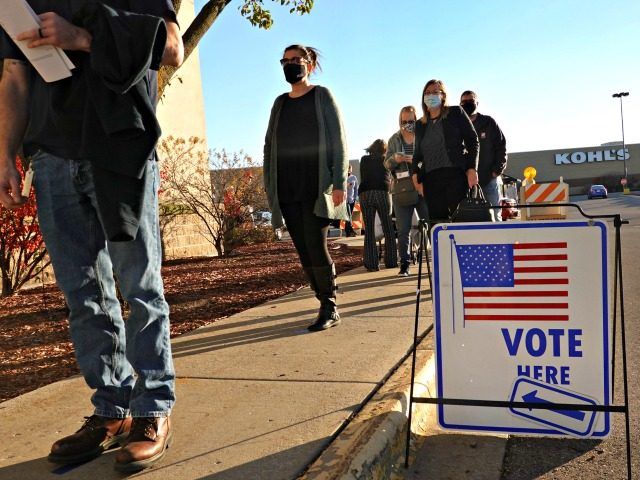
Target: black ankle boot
x: 328, y: 315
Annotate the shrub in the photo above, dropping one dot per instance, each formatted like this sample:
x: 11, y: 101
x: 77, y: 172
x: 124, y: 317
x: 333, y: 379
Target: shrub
x: 23, y: 255
x: 248, y: 235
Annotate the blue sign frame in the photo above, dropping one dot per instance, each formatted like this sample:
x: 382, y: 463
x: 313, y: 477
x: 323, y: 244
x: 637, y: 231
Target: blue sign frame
x: 449, y: 228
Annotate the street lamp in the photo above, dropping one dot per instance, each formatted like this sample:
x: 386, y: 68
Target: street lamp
x: 624, y: 153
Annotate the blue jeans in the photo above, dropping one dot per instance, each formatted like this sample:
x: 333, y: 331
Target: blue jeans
x: 108, y: 350
x: 404, y: 216
x: 492, y: 194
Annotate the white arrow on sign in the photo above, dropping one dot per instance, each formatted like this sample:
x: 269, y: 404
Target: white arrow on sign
x: 573, y: 422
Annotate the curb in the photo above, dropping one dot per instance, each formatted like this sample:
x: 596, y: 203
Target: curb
x: 372, y: 446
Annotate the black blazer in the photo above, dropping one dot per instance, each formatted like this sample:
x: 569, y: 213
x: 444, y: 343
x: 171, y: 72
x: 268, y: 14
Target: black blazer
x: 460, y: 138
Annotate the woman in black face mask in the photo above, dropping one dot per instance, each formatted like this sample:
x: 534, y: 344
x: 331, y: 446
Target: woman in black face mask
x: 398, y: 161
x: 305, y: 173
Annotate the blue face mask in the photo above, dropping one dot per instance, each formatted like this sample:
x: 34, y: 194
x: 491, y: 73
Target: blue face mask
x: 432, y: 101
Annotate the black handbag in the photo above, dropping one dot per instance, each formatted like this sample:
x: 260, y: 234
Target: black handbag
x: 473, y: 208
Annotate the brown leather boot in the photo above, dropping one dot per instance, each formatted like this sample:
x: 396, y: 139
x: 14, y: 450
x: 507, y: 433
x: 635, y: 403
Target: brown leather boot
x: 94, y: 437
x: 149, y: 439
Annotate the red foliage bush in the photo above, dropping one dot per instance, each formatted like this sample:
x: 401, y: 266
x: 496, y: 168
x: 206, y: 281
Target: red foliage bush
x: 22, y: 251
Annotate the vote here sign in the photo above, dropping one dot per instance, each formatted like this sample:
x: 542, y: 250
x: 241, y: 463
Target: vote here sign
x: 522, y: 315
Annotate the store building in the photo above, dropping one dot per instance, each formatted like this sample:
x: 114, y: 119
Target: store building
x: 581, y: 167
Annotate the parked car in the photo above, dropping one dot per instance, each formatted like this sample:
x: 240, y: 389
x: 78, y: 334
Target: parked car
x: 597, y: 191
x: 509, y: 209
x: 263, y: 219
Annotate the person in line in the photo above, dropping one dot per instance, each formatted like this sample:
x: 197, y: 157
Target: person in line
x: 493, y: 149
x: 399, y: 160
x: 445, y: 159
x: 305, y: 173
x: 352, y: 197
x: 62, y: 126
x: 374, y: 198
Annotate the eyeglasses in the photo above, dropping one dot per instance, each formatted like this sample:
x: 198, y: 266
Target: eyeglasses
x: 296, y: 60
x: 407, y: 122
x: 434, y: 92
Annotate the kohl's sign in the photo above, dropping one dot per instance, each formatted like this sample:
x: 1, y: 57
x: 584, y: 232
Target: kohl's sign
x: 570, y: 158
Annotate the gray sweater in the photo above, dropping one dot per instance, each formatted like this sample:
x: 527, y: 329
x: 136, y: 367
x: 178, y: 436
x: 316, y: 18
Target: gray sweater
x: 332, y: 162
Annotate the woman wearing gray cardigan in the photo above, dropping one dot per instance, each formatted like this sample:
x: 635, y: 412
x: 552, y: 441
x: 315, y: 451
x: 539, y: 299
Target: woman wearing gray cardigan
x: 398, y: 161
x: 305, y: 173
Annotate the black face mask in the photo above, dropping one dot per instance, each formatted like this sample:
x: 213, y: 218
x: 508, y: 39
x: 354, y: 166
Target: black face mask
x: 294, y: 72
x: 469, y: 107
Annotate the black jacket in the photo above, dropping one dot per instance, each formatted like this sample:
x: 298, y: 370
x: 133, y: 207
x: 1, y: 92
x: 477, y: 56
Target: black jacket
x: 493, y: 148
x: 460, y: 138
x: 373, y: 174
x: 108, y: 99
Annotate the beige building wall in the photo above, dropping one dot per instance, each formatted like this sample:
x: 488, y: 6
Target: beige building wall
x: 580, y: 167
x: 181, y: 109
x: 181, y: 114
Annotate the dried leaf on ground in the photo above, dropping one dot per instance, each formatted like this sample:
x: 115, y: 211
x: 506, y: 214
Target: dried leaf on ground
x: 35, y: 348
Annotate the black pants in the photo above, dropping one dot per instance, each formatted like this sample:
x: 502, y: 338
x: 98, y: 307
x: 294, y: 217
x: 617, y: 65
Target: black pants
x: 308, y: 232
x: 444, y: 188
x: 372, y: 202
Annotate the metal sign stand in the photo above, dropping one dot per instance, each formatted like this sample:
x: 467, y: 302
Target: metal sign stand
x: 618, y: 296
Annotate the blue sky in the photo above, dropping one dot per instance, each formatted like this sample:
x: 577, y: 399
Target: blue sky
x: 545, y: 69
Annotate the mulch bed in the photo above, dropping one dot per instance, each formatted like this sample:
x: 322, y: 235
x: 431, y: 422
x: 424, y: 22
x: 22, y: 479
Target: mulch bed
x: 35, y: 348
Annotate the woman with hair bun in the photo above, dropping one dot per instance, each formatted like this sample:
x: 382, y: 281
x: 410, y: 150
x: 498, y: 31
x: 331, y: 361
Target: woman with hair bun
x: 305, y: 173
x: 374, y: 198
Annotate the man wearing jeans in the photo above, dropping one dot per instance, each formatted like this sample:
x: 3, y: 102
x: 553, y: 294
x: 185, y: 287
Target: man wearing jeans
x: 493, y: 149
x: 127, y: 364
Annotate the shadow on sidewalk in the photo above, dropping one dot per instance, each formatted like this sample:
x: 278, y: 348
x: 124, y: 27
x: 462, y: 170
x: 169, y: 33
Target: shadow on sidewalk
x: 293, y: 459
x: 247, y: 331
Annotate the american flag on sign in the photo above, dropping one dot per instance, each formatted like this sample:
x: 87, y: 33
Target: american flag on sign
x: 514, y: 282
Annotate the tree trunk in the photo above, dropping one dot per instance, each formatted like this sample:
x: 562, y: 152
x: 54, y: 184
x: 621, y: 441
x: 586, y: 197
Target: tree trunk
x: 218, y: 244
x: 200, y: 25
x: 7, y: 288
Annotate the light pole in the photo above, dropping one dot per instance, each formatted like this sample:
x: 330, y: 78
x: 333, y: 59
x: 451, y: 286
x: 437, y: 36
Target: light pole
x: 624, y: 153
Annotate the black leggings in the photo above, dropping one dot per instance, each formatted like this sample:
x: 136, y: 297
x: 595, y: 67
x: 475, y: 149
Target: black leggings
x: 308, y: 232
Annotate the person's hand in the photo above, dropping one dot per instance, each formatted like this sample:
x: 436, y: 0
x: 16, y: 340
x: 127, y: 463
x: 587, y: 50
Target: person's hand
x: 57, y: 32
x: 401, y: 157
x: 338, y: 196
x: 10, y: 194
x: 472, y: 177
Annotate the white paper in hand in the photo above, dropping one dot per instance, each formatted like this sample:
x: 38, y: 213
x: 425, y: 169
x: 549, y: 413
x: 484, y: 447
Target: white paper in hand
x: 16, y: 16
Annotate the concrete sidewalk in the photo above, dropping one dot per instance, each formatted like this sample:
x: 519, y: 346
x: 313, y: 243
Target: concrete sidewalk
x: 259, y: 397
